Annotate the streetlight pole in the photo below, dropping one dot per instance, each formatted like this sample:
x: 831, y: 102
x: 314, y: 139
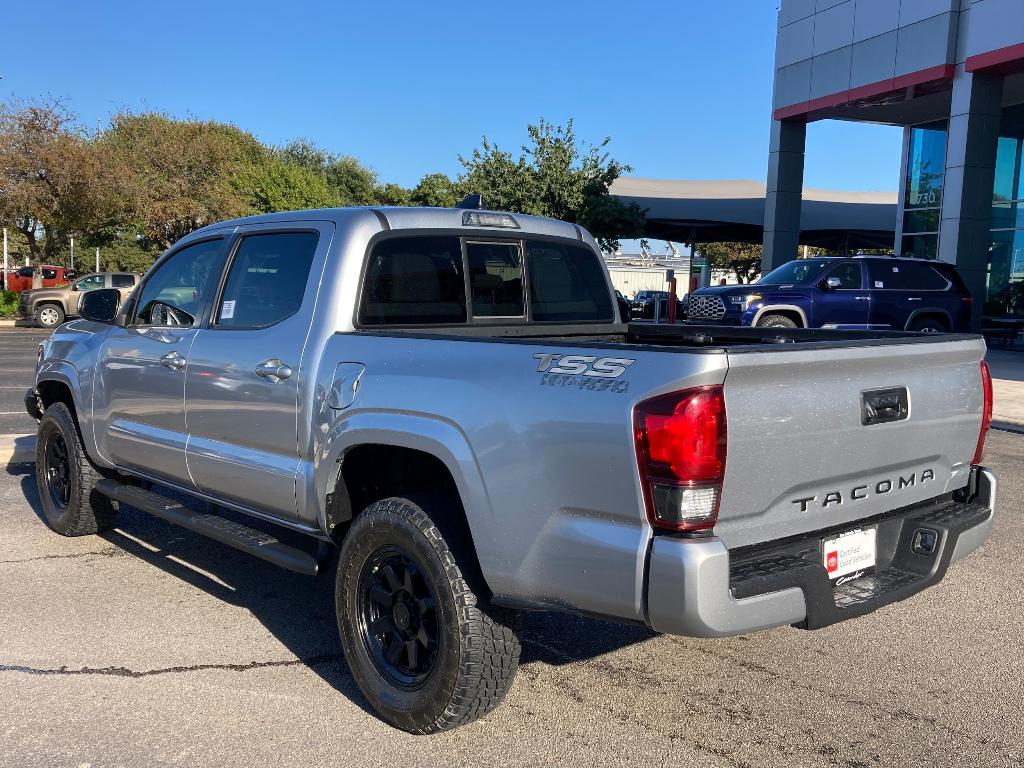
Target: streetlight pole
x: 72, y: 254
x: 97, y: 258
x: 5, y: 258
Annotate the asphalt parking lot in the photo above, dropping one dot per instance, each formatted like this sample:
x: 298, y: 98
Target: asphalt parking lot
x: 152, y: 646
x: 17, y: 366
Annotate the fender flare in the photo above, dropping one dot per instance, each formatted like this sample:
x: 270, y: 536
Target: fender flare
x: 65, y: 373
x: 928, y: 311
x: 774, y: 307
x: 437, y: 437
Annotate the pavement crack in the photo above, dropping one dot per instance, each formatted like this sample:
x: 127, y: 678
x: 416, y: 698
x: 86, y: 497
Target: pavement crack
x: 311, y: 661
x: 108, y: 552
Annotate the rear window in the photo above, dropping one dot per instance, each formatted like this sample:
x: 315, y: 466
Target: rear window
x: 905, y: 276
x: 566, y: 283
x: 414, y: 281
x: 496, y: 279
x: 424, y: 280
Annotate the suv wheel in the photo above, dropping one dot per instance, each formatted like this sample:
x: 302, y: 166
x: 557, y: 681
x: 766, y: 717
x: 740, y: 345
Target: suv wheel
x: 928, y: 325
x: 422, y: 644
x: 776, y: 321
x: 66, y: 479
x: 49, y: 315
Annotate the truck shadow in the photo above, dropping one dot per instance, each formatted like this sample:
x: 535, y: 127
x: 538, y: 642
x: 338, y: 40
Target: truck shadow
x: 299, y: 610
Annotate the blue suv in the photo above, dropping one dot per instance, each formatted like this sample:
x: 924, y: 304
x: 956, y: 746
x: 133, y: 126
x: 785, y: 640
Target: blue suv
x: 863, y: 292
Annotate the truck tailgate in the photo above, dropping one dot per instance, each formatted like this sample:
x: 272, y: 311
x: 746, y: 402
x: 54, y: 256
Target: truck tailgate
x: 799, y: 457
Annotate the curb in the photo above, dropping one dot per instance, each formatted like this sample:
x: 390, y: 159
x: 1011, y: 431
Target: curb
x: 17, y: 449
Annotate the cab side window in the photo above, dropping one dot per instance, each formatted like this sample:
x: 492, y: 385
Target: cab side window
x: 89, y: 283
x: 849, y: 275
x: 122, y: 281
x: 267, y: 279
x: 906, y: 276
x: 175, y: 293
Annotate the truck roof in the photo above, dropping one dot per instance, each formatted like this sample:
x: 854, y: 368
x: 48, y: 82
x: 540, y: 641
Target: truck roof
x: 403, y: 217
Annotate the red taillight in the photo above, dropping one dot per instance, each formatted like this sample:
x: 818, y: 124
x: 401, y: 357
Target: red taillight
x: 986, y: 412
x: 680, y: 447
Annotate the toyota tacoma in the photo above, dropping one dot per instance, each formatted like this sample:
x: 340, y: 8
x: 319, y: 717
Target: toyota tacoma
x: 449, y: 400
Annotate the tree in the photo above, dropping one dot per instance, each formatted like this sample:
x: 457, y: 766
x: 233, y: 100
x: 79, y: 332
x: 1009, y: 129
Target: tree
x: 743, y: 259
x: 349, y: 181
x: 270, y: 184
x: 436, y: 190
x: 181, y: 175
x: 54, y: 181
x: 557, y: 176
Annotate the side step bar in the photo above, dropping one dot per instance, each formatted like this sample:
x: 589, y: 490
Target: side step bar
x: 248, y: 540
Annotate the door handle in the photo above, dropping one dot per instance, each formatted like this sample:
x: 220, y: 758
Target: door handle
x: 273, y: 369
x: 173, y: 360
x: 862, y: 298
x: 913, y: 298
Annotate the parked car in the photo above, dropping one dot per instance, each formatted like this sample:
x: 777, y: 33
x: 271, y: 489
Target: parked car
x: 50, y: 306
x: 642, y: 306
x: 448, y: 398
x: 623, y: 305
x: 19, y: 280
x: 866, y: 292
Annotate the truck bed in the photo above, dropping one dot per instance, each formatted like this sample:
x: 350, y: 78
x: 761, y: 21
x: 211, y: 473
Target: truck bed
x: 683, y: 337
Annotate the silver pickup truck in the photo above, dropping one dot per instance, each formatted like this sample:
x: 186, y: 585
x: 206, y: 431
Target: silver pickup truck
x: 450, y: 398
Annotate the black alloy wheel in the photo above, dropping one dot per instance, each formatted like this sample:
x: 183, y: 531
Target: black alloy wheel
x: 397, y: 618
x: 57, y: 470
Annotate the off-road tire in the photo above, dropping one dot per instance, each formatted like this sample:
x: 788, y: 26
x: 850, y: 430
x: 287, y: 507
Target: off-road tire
x: 85, y: 511
x: 776, y: 321
x: 477, y: 644
x: 49, y: 315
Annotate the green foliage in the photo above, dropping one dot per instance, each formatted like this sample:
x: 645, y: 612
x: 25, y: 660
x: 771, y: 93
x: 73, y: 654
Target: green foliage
x: 272, y: 185
x: 743, y: 259
x: 121, y: 250
x: 349, y: 182
x: 8, y: 303
x: 146, y: 180
x: 557, y: 176
x: 436, y: 190
x: 179, y: 175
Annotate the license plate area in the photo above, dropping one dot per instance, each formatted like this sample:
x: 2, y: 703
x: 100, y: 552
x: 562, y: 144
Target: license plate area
x: 850, y: 552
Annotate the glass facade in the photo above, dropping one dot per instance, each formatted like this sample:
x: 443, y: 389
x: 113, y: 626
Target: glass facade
x: 921, y: 212
x: 1006, y: 258
x: 925, y: 175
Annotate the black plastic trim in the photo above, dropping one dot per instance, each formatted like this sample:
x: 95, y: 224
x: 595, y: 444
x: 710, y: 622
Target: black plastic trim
x: 899, y: 572
x: 235, y: 535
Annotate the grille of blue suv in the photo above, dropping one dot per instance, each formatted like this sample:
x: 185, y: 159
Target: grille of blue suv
x: 706, y: 308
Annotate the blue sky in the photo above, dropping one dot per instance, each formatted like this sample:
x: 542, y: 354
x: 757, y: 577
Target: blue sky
x: 682, y: 87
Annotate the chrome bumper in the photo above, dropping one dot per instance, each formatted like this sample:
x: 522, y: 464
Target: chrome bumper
x: 689, y: 593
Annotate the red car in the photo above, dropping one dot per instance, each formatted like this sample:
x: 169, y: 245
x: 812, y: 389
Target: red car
x: 21, y: 279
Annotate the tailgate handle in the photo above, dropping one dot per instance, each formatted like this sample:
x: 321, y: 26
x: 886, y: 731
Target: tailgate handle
x: 878, y: 406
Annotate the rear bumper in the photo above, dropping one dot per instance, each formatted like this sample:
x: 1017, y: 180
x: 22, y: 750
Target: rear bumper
x: 694, y: 588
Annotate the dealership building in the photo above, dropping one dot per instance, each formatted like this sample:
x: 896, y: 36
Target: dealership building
x: 951, y: 74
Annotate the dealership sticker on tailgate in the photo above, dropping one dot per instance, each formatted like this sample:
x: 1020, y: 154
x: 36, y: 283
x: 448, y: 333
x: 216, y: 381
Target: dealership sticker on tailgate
x: 849, y: 552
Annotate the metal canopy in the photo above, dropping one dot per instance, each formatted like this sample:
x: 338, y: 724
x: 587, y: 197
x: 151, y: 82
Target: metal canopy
x: 733, y: 211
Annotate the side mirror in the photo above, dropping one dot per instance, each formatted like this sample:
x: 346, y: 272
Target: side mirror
x: 100, y: 305
x: 833, y: 283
